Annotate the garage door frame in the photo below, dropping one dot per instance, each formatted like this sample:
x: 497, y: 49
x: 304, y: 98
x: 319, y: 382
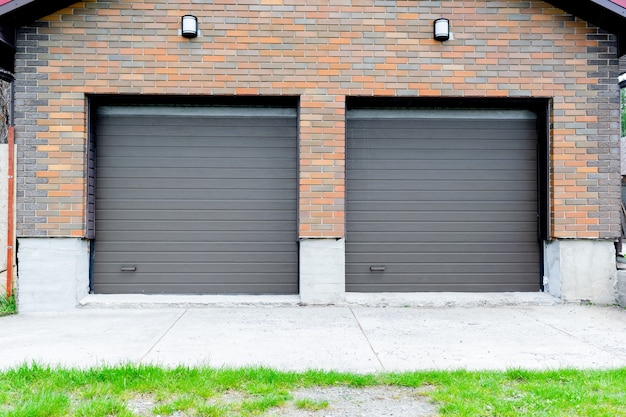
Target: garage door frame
x: 541, y: 107
x: 96, y: 101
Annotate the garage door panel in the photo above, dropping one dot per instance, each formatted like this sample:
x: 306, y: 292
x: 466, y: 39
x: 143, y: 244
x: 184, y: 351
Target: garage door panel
x: 437, y: 285
x: 398, y: 269
x: 405, y: 141
x: 166, y: 247
x: 129, y: 117
x: 467, y: 237
x: 471, y: 226
x: 230, y: 283
x: 433, y: 119
x: 164, y: 183
x: 202, y: 194
x: 452, y: 248
x: 211, y: 158
x: 456, y: 132
x: 371, y: 218
x: 442, y: 257
x: 457, y: 165
x: 196, y: 199
x: 460, y: 196
x: 444, y: 206
x: 510, y: 278
x: 170, y: 116
x: 441, y: 185
x: 202, y: 278
x: 198, y: 160
x: 239, y: 178
x: 207, y: 268
x: 240, y: 134
x: 217, y: 216
x: 196, y: 235
x: 170, y: 137
x: 446, y: 200
x: 139, y: 257
x: 237, y: 173
x: 494, y: 137
x: 444, y: 155
x: 401, y: 173
x: 239, y: 284
x: 207, y: 206
x: 270, y: 163
x: 203, y: 288
x: 194, y: 225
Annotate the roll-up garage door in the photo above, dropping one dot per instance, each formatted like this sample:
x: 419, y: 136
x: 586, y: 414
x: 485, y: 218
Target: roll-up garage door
x: 195, y: 200
x: 442, y: 200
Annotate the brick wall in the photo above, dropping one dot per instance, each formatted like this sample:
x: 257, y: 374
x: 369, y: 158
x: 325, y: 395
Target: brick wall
x: 321, y: 51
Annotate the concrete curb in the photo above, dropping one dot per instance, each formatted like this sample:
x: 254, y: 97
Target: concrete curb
x: 430, y: 300
x: 440, y: 300
x: 185, y: 301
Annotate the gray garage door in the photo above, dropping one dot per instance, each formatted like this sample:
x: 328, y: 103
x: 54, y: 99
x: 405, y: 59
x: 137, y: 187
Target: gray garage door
x: 442, y: 200
x: 195, y: 200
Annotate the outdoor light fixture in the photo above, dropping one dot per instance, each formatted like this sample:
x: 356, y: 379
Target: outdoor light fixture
x: 189, y: 25
x: 442, y: 29
x: 622, y: 80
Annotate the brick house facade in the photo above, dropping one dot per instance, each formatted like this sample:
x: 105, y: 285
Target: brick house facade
x: 322, y: 52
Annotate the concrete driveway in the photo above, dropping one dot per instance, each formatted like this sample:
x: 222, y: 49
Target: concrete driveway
x: 349, y: 337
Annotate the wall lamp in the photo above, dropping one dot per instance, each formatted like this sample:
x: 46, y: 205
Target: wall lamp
x: 442, y: 29
x: 189, y: 26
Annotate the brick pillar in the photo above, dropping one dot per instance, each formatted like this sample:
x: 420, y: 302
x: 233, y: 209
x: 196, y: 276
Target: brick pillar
x: 322, y: 198
x: 322, y: 166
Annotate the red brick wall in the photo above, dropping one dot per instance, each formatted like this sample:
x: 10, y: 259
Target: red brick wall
x: 322, y: 51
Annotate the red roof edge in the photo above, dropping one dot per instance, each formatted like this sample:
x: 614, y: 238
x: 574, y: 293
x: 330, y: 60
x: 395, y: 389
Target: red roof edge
x: 621, y: 3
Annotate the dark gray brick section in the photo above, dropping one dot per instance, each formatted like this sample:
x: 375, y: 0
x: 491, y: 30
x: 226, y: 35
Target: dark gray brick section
x: 27, y: 99
x: 608, y: 134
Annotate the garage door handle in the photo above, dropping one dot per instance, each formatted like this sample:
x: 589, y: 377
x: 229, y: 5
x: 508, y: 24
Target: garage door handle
x: 378, y: 268
x: 128, y: 268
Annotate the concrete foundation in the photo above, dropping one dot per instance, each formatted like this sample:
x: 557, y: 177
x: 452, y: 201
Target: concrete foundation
x: 581, y: 270
x: 53, y: 274
x: 322, y: 271
x: 620, y: 288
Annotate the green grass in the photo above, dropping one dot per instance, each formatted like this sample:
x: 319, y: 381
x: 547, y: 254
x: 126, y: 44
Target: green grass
x: 7, y: 305
x: 307, y: 404
x: 39, y: 391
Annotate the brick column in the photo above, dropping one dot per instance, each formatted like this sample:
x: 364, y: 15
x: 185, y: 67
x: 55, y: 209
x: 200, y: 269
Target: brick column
x: 322, y: 198
x: 322, y: 166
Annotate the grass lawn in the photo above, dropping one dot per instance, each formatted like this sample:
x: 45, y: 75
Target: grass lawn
x: 36, y: 391
x: 7, y: 305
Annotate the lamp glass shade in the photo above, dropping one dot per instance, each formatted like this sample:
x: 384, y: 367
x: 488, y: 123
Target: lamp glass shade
x: 189, y: 26
x: 442, y: 29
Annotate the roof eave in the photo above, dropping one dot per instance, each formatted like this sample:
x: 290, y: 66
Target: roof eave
x: 602, y: 13
x: 20, y: 12
x: 17, y: 13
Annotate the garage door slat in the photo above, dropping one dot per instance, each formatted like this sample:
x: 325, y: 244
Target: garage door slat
x: 198, y: 288
x: 372, y: 248
x: 194, y: 215
x: 447, y: 196
x: 166, y: 247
